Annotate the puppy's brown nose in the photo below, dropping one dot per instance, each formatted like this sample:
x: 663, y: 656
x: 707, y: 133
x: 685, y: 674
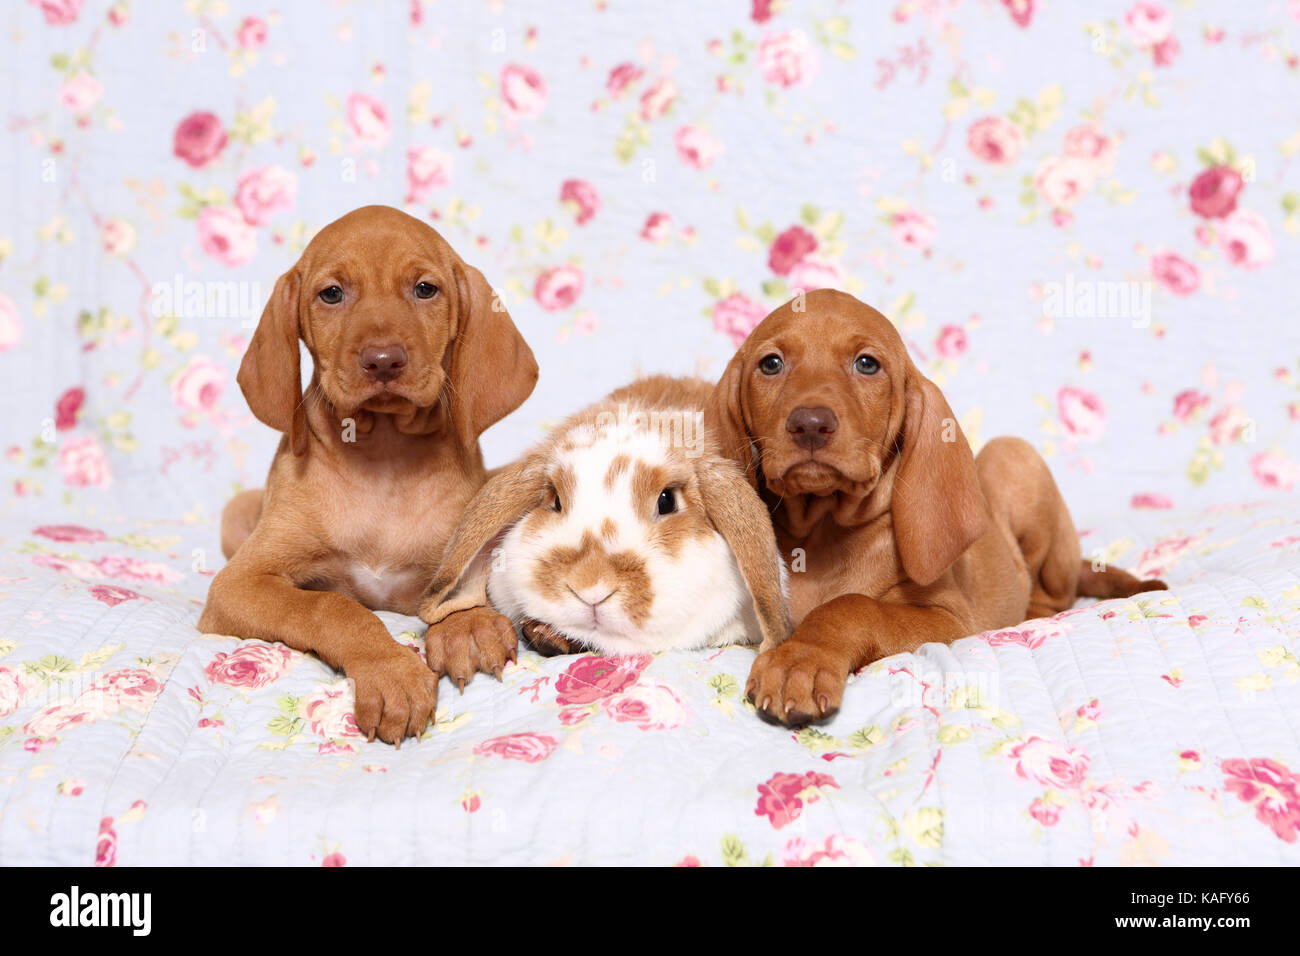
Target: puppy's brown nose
x: 811, y: 428
x: 383, y: 363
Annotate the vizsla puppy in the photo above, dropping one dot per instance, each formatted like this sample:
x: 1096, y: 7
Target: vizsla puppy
x: 902, y: 534
x: 414, y: 358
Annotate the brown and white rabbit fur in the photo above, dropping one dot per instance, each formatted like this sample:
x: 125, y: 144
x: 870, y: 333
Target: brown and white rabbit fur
x: 625, y: 531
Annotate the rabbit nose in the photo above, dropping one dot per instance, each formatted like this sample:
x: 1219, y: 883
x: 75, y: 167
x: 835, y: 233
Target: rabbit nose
x: 811, y: 428
x: 593, y: 595
x: 383, y: 363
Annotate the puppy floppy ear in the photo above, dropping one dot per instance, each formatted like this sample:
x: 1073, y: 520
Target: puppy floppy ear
x: 938, y: 508
x: 461, y: 579
x: 724, y: 418
x: 739, y: 515
x: 492, y: 369
x: 270, y: 375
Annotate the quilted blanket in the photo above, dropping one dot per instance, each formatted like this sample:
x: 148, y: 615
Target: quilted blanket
x: 1158, y: 730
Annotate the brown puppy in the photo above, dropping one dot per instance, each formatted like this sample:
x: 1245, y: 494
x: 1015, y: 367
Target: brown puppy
x: 895, y: 533
x: 414, y: 358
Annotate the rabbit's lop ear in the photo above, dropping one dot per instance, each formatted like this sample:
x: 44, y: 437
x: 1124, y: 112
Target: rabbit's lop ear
x: 461, y: 579
x: 739, y: 515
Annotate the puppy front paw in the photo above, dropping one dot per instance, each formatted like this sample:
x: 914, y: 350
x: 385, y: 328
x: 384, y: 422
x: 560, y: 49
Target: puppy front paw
x: 464, y: 642
x: 796, y: 683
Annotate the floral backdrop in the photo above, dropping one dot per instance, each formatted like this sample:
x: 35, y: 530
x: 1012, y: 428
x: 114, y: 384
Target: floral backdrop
x: 1082, y: 216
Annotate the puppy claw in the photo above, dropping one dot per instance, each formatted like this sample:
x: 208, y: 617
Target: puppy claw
x: 823, y: 703
x: 460, y: 682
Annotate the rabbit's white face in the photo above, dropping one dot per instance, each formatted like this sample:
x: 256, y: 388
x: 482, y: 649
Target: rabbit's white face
x: 620, y: 554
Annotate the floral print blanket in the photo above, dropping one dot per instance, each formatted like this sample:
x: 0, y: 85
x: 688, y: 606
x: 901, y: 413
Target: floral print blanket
x: 1159, y: 730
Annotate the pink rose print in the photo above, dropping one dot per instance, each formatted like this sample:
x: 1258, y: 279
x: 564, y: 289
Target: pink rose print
x: 225, y: 236
x: 198, y: 386
x: 811, y: 273
x: 657, y: 99
x: 835, y: 850
x: 199, y: 139
x: 15, y: 687
x: 1226, y: 426
x: 1175, y: 273
x: 80, y: 92
x: 427, y: 169
x: 1090, y: 711
x: 1213, y: 193
x: 781, y: 799
x: 1273, y: 790
x: 70, y: 533
x: 1148, y: 24
x: 263, y: 192
x: 951, y: 341
x: 697, y: 148
x: 688, y: 861
x: 130, y: 688
x: 72, y: 787
x: 1159, y: 559
x: 737, y: 316
x: 1274, y: 471
x: 913, y: 229
x: 334, y: 859
x: 1063, y: 180
x: 591, y: 678
x: 582, y: 196
x: 112, y: 595
x: 787, y: 59
x: 995, y: 140
x: 1045, y: 812
x: 367, y: 120
x: 251, y: 665
x: 59, y: 13
x: 1081, y: 413
x: 83, y: 463
x: 789, y: 249
x: 1093, y: 147
x: 11, y: 326
x: 64, y: 715
x: 658, y: 228
x: 109, y: 566
x: 1031, y: 634
x: 117, y: 236
x: 558, y: 288
x: 1022, y: 11
x: 68, y: 408
x: 622, y: 77
x: 251, y: 34
x: 1166, y: 51
x: 329, y: 709
x: 1151, y: 501
x: 653, y: 707
x: 106, y: 845
x: 1049, y: 763
x: 1246, y: 239
x: 523, y: 90
x: 527, y: 747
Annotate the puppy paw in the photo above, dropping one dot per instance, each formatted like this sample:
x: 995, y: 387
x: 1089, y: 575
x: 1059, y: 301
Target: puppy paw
x: 796, y: 683
x: 395, y: 694
x: 477, y: 639
x: 547, y: 641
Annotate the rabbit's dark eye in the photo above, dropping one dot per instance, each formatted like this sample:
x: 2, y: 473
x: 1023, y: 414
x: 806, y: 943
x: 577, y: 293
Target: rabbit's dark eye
x: 425, y: 290
x: 331, y: 295
x: 771, y: 364
x: 866, y: 364
x: 667, y: 503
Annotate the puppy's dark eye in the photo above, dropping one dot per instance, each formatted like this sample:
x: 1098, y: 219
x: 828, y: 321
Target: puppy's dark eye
x: 771, y: 364
x: 425, y: 290
x: 332, y: 295
x: 667, y: 503
x: 555, y: 504
x: 866, y: 364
